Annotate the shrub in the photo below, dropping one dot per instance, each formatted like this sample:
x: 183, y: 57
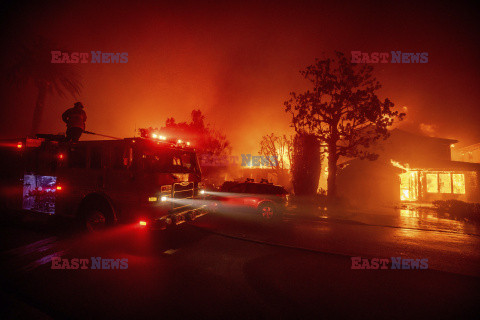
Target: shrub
x: 459, y: 210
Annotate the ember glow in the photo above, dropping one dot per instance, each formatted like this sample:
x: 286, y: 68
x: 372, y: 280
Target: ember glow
x: 414, y: 183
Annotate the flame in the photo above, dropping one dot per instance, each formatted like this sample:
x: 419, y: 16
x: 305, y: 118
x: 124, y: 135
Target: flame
x: 408, y: 182
x: 398, y: 165
x: 458, y: 183
x: 282, y: 154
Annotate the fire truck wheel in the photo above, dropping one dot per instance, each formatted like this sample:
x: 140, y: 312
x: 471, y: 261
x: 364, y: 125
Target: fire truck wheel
x: 268, y: 211
x: 96, y: 217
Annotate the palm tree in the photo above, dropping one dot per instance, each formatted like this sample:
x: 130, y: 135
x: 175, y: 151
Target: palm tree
x: 33, y: 63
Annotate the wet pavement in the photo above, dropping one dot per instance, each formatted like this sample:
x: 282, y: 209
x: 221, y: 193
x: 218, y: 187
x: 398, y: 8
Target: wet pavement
x: 233, y: 265
x: 421, y: 218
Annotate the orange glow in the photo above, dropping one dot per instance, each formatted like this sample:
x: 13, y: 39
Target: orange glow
x: 398, y: 165
x: 409, y: 186
x: 444, y: 183
x: 143, y: 223
x: 432, y: 182
x: 458, y: 183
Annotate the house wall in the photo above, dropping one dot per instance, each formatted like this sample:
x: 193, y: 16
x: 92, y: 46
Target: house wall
x: 467, y: 154
x: 369, y: 184
x: 472, y: 182
x: 406, y: 147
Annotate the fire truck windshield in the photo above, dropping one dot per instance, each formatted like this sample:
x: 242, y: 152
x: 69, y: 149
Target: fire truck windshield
x: 167, y: 161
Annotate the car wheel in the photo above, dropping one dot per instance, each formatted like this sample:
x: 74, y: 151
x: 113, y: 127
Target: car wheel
x: 268, y: 211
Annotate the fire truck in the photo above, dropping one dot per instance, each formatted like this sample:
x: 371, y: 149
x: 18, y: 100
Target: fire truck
x: 153, y: 183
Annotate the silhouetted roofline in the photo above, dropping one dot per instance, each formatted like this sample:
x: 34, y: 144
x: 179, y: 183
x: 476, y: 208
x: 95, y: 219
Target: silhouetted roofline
x: 443, y: 140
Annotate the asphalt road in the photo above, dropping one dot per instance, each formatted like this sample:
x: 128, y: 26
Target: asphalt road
x: 233, y: 266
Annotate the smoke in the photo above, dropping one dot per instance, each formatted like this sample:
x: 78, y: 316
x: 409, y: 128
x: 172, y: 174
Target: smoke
x: 238, y: 62
x: 428, y: 129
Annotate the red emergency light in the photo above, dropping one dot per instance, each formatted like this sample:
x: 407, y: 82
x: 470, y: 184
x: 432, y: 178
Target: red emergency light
x: 60, y: 156
x: 158, y: 136
x: 19, y: 145
x: 59, y: 188
x: 143, y: 223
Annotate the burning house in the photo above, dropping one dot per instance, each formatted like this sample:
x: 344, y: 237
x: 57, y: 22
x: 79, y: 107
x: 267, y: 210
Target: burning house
x: 468, y: 154
x: 410, y: 168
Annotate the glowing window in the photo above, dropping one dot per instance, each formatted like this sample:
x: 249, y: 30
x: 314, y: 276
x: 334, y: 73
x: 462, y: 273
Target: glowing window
x: 458, y: 183
x: 445, y: 183
x: 404, y: 186
x: 408, y: 186
x: 432, y: 182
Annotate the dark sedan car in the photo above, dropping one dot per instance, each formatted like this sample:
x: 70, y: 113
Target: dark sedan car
x: 266, y: 199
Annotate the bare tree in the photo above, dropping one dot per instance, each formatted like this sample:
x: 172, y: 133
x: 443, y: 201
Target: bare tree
x: 277, y: 152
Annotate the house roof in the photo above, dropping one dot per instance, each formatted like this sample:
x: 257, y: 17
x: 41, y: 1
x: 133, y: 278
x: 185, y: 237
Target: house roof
x: 419, y: 136
x: 415, y: 165
x: 447, y: 165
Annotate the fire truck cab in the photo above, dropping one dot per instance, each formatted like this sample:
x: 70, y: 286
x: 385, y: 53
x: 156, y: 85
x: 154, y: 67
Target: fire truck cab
x: 133, y: 180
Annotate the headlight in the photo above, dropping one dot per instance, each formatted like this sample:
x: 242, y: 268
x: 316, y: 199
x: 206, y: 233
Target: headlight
x: 163, y: 198
x: 202, y: 191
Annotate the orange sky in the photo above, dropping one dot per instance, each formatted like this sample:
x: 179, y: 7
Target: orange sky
x: 238, y: 62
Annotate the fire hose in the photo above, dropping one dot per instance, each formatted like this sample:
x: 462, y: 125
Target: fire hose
x: 102, y: 135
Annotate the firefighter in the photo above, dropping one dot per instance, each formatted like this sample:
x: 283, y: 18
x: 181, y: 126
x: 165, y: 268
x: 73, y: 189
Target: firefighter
x: 75, y: 119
